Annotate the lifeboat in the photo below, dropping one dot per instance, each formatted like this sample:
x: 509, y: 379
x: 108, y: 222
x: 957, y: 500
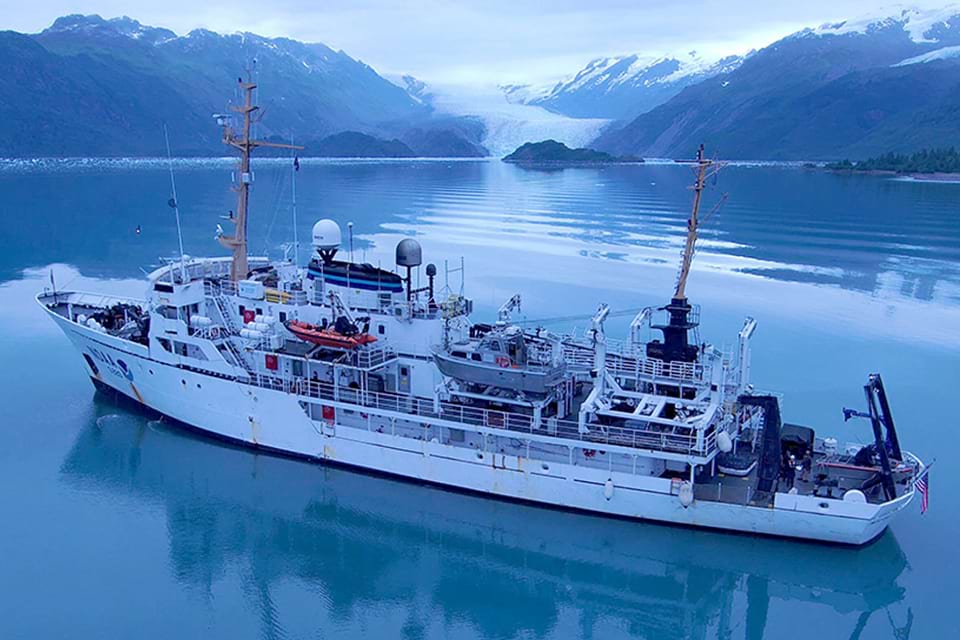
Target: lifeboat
x: 328, y: 336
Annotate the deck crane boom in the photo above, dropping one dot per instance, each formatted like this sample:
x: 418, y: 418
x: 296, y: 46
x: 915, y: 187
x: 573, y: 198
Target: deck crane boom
x: 508, y: 307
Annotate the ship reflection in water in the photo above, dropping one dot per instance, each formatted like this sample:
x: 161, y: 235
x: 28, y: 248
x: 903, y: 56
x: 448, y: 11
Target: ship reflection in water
x: 366, y: 549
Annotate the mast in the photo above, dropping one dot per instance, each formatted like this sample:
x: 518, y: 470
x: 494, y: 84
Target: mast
x: 692, y: 224
x: 676, y: 344
x: 175, y: 203
x: 245, y: 144
x: 293, y: 191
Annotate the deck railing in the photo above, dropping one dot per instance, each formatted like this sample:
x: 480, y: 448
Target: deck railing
x: 376, y: 356
x: 82, y: 298
x: 693, y: 442
x: 635, y: 364
x: 196, y: 269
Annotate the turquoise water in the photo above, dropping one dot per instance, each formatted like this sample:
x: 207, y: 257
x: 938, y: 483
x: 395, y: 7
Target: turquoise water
x: 118, y: 525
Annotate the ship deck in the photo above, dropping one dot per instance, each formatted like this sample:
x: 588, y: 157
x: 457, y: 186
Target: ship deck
x: 670, y: 443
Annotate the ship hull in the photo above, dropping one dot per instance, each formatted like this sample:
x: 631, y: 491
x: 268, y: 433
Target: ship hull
x: 276, y: 420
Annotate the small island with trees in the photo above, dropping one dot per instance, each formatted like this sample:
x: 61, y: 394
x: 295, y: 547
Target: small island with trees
x: 935, y: 164
x: 550, y: 153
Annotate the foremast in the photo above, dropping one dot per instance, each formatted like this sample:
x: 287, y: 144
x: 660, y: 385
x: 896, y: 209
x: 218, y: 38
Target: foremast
x: 243, y: 142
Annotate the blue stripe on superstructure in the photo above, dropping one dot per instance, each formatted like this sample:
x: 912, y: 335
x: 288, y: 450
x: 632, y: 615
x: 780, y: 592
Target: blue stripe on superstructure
x: 357, y: 283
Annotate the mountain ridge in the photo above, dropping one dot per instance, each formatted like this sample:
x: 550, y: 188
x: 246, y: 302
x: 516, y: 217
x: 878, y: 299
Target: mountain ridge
x: 840, y: 90
x: 105, y: 87
x: 622, y: 87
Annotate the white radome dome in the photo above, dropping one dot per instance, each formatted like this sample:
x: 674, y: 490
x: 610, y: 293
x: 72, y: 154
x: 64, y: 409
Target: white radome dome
x: 326, y: 234
x: 724, y: 442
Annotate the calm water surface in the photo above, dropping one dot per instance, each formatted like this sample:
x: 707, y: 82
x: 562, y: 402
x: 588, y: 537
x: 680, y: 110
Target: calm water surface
x: 118, y: 525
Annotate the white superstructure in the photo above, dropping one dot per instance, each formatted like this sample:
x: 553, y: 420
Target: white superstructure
x: 350, y: 364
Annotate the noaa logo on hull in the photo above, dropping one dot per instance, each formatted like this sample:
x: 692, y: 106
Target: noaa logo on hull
x: 127, y: 373
x: 116, y: 366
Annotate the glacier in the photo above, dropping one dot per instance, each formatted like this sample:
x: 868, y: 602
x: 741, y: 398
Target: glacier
x: 509, y: 125
x: 937, y: 54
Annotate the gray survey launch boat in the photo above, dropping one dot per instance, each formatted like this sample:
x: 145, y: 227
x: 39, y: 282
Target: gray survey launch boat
x: 503, y: 358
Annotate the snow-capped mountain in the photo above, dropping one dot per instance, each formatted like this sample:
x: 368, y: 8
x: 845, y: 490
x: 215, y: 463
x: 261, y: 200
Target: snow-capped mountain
x: 889, y: 81
x: 623, y: 86
x: 415, y: 87
x: 114, y: 29
x: 920, y: 25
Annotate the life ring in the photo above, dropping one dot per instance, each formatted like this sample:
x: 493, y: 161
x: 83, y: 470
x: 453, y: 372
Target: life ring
x: 215, y: 333
x: 503, y: 362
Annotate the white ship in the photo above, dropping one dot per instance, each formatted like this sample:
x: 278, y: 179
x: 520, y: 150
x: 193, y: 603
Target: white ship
x: 350, y: 364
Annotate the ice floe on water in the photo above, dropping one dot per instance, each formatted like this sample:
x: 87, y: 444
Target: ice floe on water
x: 110, y: 419
x: 73, y: 165
x: 96, y: 165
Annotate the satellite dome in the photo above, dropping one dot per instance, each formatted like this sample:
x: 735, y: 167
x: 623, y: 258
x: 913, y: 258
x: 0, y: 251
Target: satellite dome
x: 409, y: 253
x: 326, y: 235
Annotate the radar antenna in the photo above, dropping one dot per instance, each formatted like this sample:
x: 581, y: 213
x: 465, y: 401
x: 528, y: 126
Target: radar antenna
x: 245, y: 144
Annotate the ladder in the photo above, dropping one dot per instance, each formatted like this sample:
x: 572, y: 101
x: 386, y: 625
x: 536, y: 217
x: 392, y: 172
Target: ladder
x: 231, y: 330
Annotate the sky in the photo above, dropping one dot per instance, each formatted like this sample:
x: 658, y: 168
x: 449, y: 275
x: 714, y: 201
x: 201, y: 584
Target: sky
x: 480, y: 42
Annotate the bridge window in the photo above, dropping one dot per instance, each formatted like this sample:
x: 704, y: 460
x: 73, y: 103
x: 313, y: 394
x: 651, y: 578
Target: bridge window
x: 170, y: 313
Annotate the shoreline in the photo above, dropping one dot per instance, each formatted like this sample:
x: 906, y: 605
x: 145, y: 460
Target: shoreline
x: 8, y: 164
x: 929, y: 177
x: 936, y: 176
x: 560, y: 164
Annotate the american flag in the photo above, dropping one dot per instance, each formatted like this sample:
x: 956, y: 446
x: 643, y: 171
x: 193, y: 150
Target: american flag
x: 923, y: 486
